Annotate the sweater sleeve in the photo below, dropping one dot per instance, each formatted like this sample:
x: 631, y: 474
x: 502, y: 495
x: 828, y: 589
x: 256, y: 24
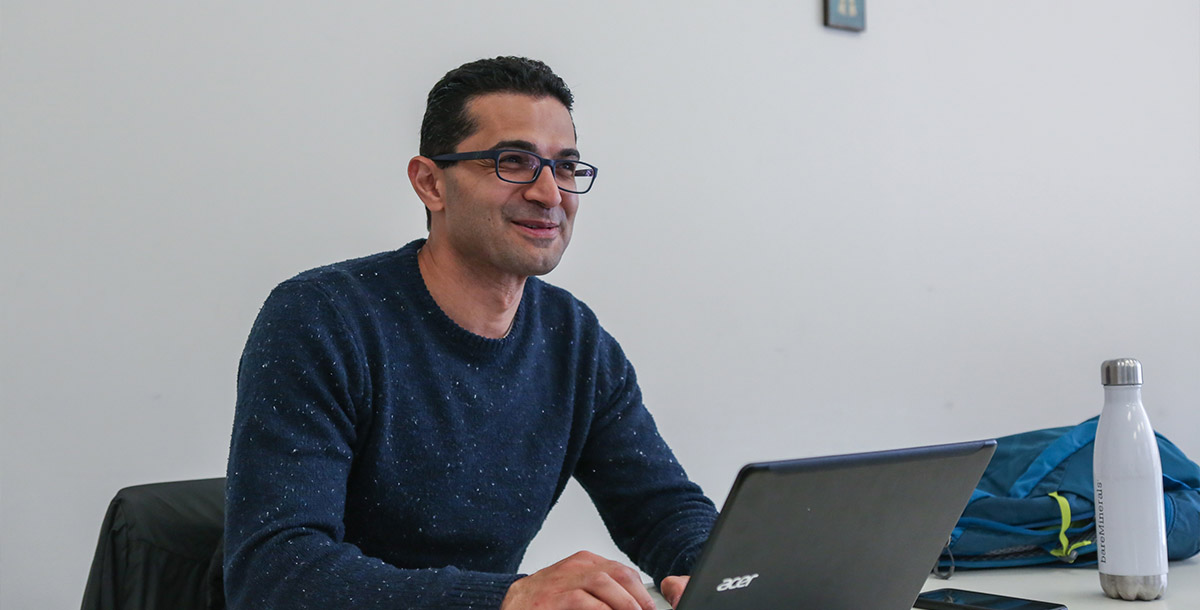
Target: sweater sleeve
x: 301, y: 386
x: 655, y: 514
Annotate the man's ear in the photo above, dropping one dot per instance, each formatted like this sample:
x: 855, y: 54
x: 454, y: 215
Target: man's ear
x: 427, y: 180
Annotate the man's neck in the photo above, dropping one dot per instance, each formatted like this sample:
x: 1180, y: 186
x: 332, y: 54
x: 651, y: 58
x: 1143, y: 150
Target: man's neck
x: 479, y: 302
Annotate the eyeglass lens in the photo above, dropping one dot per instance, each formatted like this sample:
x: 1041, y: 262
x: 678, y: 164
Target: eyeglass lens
x: 522, y: 168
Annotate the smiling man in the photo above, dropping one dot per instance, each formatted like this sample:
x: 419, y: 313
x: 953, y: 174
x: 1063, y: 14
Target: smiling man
x: 405, y: 421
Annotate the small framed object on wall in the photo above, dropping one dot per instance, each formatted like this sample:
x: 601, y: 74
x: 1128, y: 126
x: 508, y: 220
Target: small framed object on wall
x: 846, y: 14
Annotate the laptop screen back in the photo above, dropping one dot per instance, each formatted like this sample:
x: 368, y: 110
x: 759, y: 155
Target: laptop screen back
x: 836, y: 533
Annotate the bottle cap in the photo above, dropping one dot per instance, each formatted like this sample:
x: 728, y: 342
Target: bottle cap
x: 1124, y: 371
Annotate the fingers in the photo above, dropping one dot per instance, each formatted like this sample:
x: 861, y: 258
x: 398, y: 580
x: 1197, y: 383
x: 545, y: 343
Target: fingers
x: 617, y: 586
x: 615, y: 589
x: 581, y: 581
x: 672, y: 588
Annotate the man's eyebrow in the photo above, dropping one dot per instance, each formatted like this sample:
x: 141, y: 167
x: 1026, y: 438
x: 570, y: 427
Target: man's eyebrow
x: 517, y: 144
x: 528, y: 146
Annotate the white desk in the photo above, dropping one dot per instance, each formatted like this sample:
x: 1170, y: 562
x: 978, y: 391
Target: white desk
x: 1077, y: 588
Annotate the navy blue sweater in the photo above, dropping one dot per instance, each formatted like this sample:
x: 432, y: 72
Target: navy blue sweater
x: 385, y: 457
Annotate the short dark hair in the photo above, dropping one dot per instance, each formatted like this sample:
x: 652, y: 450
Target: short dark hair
x: 447, y: 122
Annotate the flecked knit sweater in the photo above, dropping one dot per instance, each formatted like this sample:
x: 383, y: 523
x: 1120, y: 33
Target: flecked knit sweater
x: 385, y: 457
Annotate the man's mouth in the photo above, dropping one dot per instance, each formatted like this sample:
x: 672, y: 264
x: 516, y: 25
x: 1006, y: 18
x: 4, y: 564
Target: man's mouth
x: 538, y: 229
x: 536, y: 224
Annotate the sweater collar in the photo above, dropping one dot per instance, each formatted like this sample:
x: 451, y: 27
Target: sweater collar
x: 447, y: 327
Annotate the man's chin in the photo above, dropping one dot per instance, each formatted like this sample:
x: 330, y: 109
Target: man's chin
x: 543, y: 268
x: 541, y: 263
x: 541, y: 260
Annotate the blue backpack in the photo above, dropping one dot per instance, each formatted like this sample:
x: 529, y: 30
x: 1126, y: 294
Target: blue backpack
x: 1034, y: 503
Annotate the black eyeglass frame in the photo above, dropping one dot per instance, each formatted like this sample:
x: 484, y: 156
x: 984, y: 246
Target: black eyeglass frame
x: 495, y: 154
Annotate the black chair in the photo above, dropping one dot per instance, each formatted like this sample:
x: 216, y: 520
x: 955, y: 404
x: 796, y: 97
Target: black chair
x: 160, y: 548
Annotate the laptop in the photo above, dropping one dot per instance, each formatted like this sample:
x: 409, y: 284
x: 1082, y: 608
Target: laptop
x: 845, y: 532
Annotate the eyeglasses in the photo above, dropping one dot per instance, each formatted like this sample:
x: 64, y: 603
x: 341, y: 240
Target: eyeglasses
x: 524, y: 167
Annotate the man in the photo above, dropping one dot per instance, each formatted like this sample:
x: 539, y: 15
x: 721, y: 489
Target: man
x: 405, y: 421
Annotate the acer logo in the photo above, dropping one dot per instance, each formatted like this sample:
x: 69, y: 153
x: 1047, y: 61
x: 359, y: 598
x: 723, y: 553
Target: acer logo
x: 740, y: 582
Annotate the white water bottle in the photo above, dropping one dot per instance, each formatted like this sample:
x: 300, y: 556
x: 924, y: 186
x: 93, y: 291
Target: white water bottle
x: 1131, y: 537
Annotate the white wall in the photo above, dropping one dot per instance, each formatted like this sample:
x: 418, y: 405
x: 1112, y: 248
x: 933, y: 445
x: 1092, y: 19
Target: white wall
x: 808, y: 241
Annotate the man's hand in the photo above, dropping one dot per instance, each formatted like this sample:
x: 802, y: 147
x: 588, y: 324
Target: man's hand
x: 582, y: 581
x: 672, y: 588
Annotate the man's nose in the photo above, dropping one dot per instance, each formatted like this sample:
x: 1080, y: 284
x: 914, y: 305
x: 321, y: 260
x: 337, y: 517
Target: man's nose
x: 544, y: 190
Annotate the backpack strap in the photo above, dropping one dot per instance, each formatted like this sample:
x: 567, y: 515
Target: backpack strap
x: 1054, y: 454
x: 1069, y: 551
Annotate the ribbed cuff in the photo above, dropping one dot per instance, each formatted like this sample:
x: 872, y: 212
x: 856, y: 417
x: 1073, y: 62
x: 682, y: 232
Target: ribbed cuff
x: 479, y: 590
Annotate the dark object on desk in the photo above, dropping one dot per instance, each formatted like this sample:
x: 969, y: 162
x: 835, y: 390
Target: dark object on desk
x: 1034, y: 504
x: 842, y: 532
x: 160, y: 549
x: 957, y: 599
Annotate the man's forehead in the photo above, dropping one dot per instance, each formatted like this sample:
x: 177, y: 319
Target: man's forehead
x: 569, y: 151
x: 540, y: 122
